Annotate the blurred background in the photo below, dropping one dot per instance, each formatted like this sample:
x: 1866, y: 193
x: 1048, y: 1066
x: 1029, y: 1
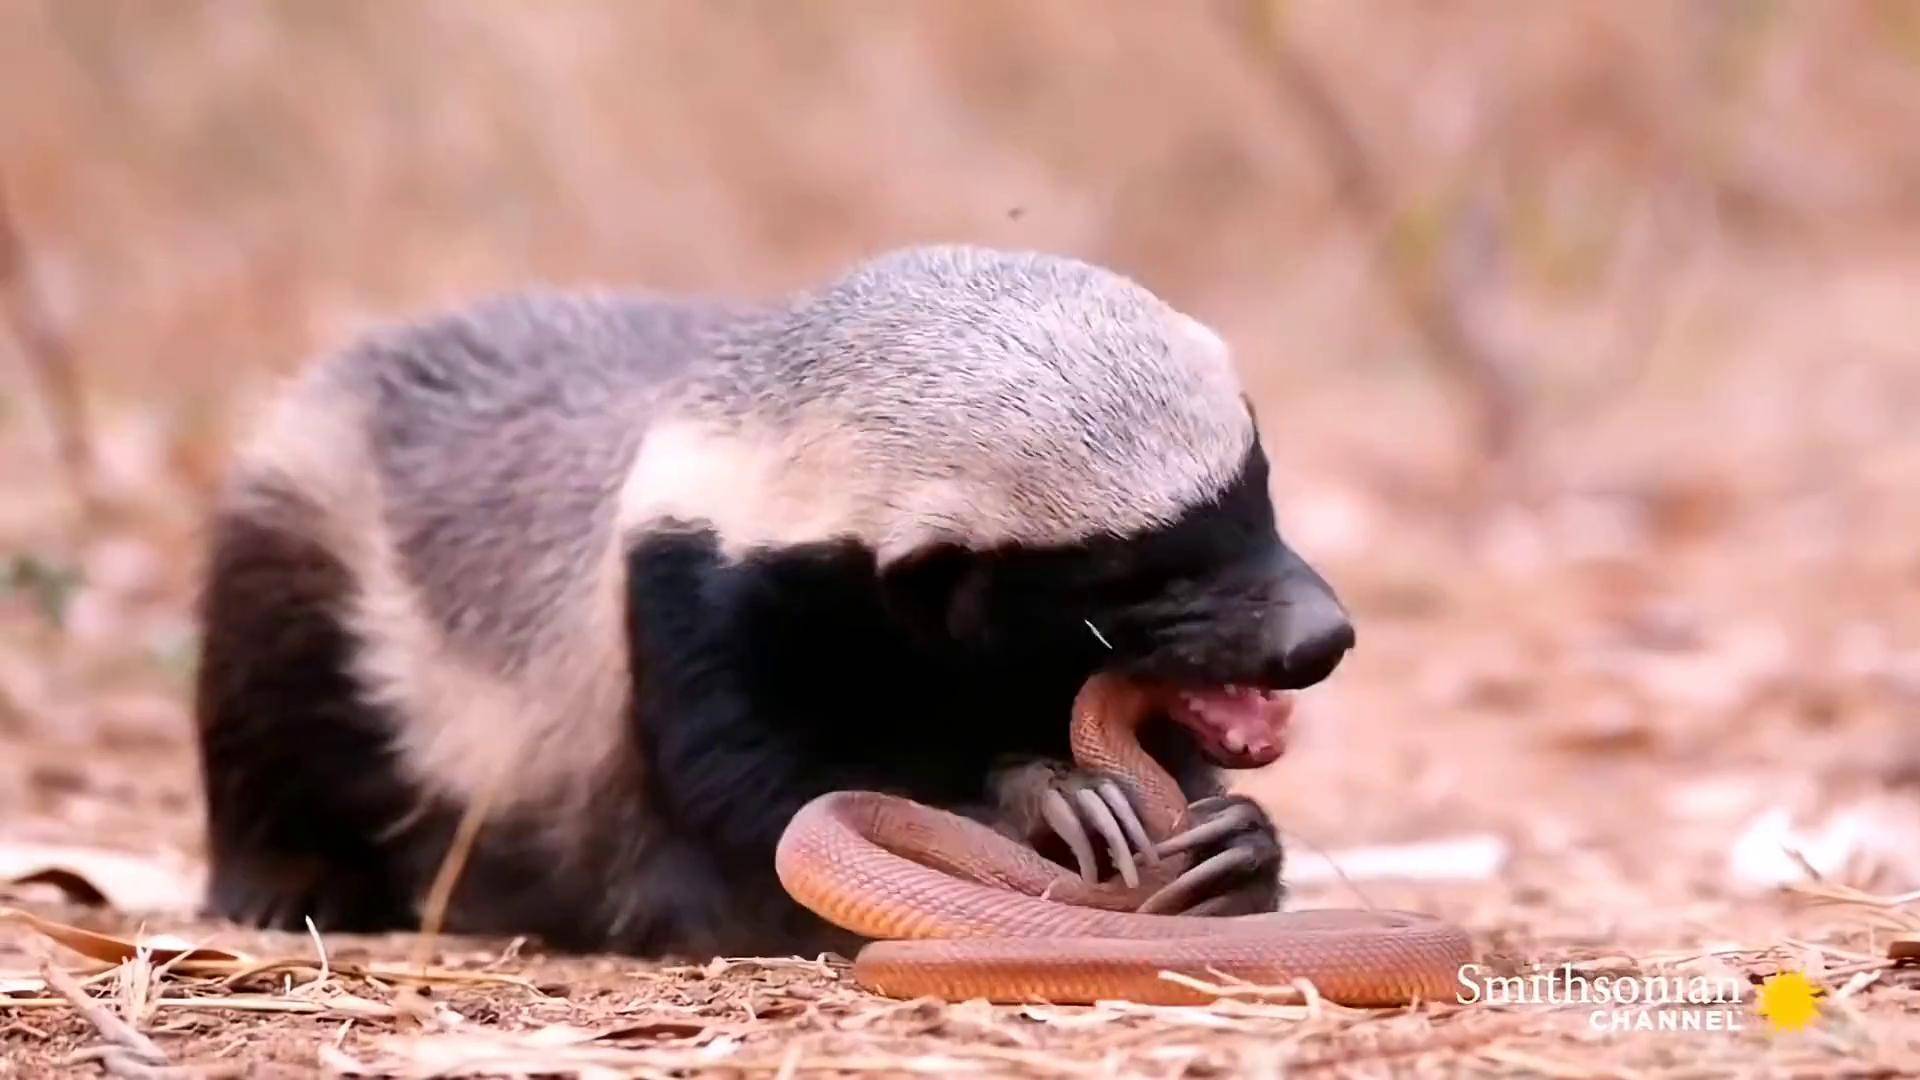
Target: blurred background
x: 1583, y: 336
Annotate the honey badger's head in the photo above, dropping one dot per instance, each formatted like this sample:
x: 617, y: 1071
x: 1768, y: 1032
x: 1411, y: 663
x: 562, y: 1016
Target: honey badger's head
x: 1213, y: 609
x: 1058, y: 473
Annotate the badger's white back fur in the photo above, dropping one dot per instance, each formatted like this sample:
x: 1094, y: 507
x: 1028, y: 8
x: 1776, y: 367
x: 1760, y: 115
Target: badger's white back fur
x: 481, y: 475
x: 954, y: 395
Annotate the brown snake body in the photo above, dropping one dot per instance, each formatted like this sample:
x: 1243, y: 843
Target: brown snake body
x: 959, y: 911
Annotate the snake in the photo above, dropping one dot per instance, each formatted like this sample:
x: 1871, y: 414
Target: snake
x: 954, y: 910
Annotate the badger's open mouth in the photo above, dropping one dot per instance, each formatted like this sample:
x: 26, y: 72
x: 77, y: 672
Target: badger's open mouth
x: 1238, y: 727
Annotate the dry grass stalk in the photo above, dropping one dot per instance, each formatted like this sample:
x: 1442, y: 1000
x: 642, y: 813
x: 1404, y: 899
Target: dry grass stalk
x: 433, y: 914
x: 55, y: 370
x: 137, y: 1049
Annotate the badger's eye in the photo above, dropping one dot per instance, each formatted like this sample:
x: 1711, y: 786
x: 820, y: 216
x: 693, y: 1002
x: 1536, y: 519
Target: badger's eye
x: 1134, y: 587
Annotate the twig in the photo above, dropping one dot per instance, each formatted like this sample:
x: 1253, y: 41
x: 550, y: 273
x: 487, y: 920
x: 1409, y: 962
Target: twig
x: 1834, y: 893
x: 409, y: 1001
x: 127, y: 1066
x: 345, y: 1006
x: 319, y: 947
x: 111, y: 1027
x: 1832, y: 952
x: 453, y: 864
x: 1430, y: 291
x: 229, y: 975
x: 49, y: 357
x: 1537, y: 1065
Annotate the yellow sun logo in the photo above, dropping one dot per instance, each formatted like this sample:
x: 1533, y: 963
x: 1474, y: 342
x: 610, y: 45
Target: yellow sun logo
x: 1789, y: 1001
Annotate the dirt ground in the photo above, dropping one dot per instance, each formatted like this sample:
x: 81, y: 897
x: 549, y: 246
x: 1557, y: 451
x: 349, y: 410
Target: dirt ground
x: 1638, y: 681
x: 1623, y: 706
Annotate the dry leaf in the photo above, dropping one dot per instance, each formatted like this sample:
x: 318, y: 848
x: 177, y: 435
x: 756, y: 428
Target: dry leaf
x: 112, y: 950
x: 123, y: 880
x: 71, y: 885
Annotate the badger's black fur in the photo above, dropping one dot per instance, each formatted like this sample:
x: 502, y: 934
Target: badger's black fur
x: 648, y: 575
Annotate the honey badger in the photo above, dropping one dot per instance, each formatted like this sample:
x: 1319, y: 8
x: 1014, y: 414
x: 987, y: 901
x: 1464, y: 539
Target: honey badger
x: 643, y: 575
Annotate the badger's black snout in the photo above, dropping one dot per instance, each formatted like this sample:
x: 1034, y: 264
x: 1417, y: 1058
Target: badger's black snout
x: 1308, y: 634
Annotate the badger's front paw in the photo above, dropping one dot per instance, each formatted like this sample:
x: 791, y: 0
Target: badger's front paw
x: 1069, y: 812
x: 1234, y: 860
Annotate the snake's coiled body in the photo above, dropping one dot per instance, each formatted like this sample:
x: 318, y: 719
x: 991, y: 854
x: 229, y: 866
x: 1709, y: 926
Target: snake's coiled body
x: 959, y: 911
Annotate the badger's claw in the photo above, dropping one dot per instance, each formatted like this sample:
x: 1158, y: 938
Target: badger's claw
x: 1116, y: 800
x: 1218, y: 817
x: 1070, y: 820
x: 1085, y: 811
x: 1236, y: 861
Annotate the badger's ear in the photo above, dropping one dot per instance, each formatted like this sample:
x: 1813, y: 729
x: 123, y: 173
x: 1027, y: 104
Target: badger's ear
x: 938, y: 592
